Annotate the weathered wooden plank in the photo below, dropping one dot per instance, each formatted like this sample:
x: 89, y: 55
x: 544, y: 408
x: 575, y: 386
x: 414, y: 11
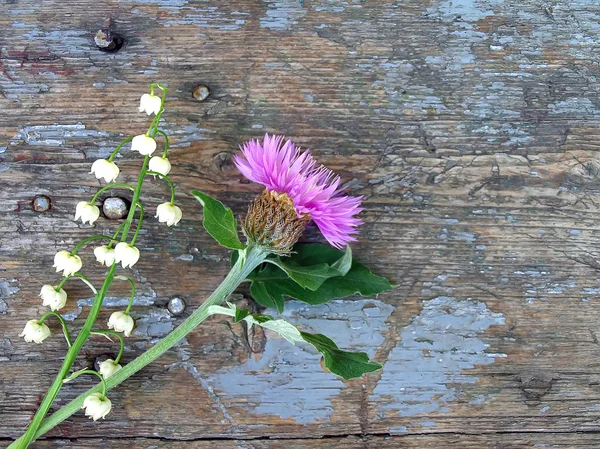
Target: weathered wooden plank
x: 471, y: 128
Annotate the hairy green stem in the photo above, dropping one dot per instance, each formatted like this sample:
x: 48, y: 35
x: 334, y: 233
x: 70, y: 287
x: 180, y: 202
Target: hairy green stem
x: 249, y: 259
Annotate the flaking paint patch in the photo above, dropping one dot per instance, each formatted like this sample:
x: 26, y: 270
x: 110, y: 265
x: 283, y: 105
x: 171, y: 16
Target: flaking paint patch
x: 282, y: 15
x: 118, y: 303
x: 209, y: 17
x: 424, y: 371
x: 7, y: 289
x: 467, y: 10
x: 61, y: 135
x: 287, y: 381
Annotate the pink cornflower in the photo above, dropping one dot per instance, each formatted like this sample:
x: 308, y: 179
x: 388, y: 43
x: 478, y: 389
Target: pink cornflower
x: 313, y: 188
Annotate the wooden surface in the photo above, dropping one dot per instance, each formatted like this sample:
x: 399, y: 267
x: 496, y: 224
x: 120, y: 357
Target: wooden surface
x: 470, y: 126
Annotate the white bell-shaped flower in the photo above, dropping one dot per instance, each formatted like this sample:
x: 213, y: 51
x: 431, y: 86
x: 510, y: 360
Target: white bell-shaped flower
x: 108, y: 368
x: 105, y: 169
x: 150, y: 104
x: 168, y: 213
x: 105, y: 255
x: 144, y: 144
x: 67, y: 263
x: 126, y: 254
x: 121, y: 322
x: 55, y: 299
x: 34, y: 331
x: 160, y: 165
x: 96, y: 406
x: 87, y: 212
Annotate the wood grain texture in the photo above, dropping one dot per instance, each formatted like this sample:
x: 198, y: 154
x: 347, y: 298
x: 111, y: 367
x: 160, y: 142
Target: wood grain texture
x: 471, y: 127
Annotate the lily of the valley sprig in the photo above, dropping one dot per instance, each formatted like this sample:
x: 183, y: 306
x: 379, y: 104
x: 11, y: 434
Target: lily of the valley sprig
x: 298, y: 191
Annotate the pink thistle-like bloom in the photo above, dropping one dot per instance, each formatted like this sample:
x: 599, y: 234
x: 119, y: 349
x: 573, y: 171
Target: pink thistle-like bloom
x: 313, y: 188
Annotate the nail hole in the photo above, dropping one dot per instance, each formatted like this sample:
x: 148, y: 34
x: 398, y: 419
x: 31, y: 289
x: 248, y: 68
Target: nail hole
x: 201, y: 92
x: 41, y: 203
x: 224, y: 161
x: 115, y: 207
x: 108, y: 41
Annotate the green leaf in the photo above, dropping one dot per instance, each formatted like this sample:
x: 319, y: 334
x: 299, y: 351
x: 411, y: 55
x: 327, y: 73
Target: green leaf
x: 313, y: 276
x: 347, y: 365
x: 240, y: 314
x: 271, y: 285
x: 219, y: 221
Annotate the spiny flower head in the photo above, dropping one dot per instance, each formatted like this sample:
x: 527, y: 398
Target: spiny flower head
x: 313, y: 188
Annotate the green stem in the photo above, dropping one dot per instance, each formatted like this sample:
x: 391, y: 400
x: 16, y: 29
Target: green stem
x: 114, y: 153
x: 119, y: 229
x: 164, y: 134
x: 89, y: 239
x: 166, y: 178
x: 62, y: 323
x: 76, y: 374
x: 125, y: 278
x: 249, y: 259
x: 106, y: 333
x: 139, y: 225
x: 110, y: 186
x: 80, y: 276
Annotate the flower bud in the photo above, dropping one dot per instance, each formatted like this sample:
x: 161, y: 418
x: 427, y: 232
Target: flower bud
x: 52, y: 297
x: 87, y: 212
x: 150, y: 104
x: 126, y: 254
x: 108, y: 368
x: 96, y: 406
x: 168, y: 213
x: 121, y: 322
x: 272, y: 221
x: 67, y: 263
x: 105, y: 255
x: 34, y: 331
x: 144, y: 144
x: 160, y: 165
x: 105, y: 169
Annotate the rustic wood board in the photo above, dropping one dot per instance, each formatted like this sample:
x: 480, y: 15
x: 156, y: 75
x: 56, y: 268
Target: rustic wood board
x: 471, y: 127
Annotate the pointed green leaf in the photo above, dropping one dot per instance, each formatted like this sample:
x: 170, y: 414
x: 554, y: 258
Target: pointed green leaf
x: 347, y: 365
x: 273, y: 285
x: 240, y: 314
x: 219, y: 221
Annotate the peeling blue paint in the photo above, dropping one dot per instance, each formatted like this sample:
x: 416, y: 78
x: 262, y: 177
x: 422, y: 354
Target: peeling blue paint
x: 424, y: 371
x: 282, y: 15
x: 286, y: 381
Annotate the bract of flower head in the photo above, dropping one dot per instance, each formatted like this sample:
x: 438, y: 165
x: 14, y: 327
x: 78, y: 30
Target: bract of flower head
x: 86, y: 212
x: 105, y: 169
x: 121, y: 322
x: 168, y: 213
x: 34, y: 331
x: 96, y: 406
x: 160, y: 165
x: 126, y: 255
x: 55, y: 299
x: 314, y: 189
x: 143, y: 144
x: 150, y: 104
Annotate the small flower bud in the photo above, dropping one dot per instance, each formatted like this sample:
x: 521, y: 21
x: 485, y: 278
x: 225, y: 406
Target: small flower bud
x: 104, y: 255
x: 168, y: 213
x: 52, y: 297
x: 87, y: 212
x: 150, y: 104
x: 108, y: 368
x: 67, y: 263
x: 121, y: 322
x: 96, y: 406
x: 34, y: 331
x: 105, y: 169
x: 144, y: 144
x: 160, y: 165
x: 272, y: 221
x: 126, y: 254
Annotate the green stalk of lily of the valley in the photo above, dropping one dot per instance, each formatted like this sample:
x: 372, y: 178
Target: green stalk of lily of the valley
x: 249, y: 259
